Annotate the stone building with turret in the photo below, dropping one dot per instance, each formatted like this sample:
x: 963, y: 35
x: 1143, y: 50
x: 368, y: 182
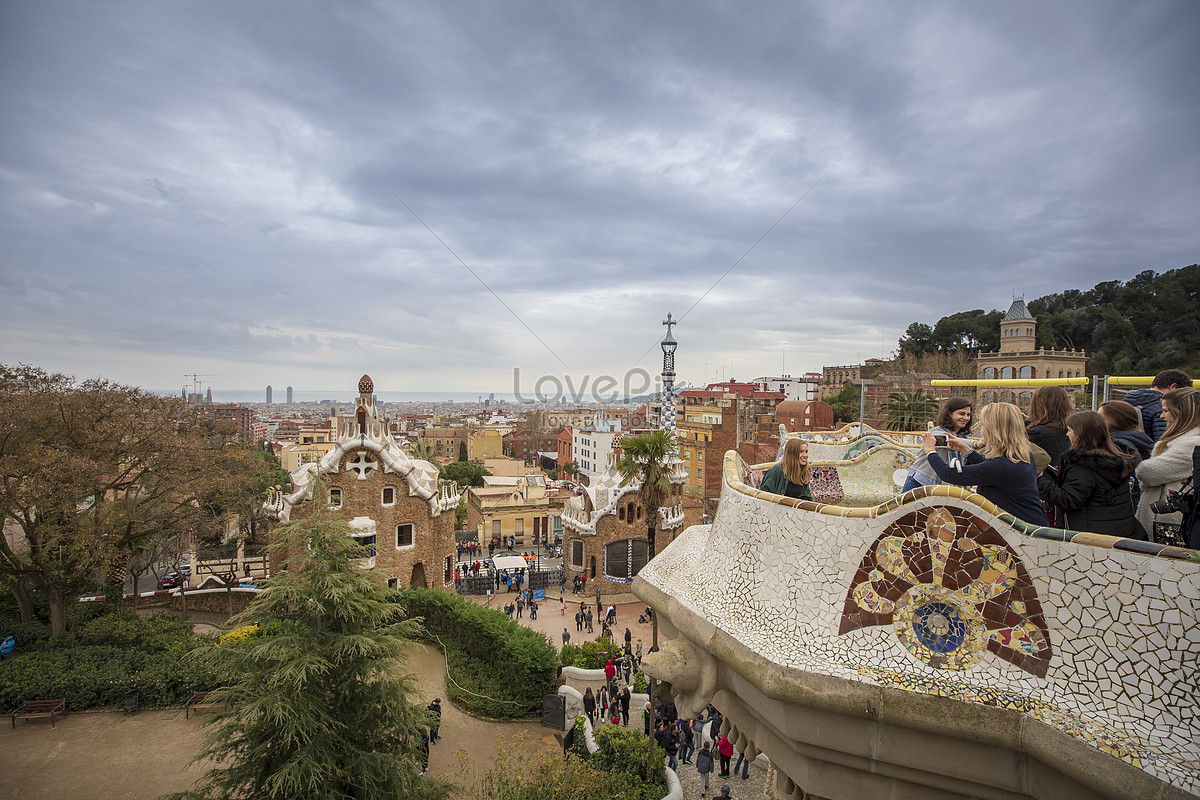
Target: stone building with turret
x: 397, y: 506
x: 1019, y: 357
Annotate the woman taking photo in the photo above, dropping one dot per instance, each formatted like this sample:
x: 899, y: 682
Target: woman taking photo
x: 1171, y: 462
x: 790, y: 476
x: 1048, y: 412
x: 1091, y: 488
x: 1006, y: 476
x: 954, y: 419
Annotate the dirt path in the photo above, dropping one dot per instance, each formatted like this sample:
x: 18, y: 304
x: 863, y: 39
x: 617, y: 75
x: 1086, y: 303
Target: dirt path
x: 110, y: 756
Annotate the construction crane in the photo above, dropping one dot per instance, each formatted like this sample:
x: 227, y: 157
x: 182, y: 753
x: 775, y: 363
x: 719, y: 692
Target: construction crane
x: 196, y: 376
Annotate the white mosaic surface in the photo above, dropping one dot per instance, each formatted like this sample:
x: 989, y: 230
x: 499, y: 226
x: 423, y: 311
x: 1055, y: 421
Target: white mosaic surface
x: 1122, y: 625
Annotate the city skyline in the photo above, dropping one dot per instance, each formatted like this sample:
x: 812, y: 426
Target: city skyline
x: 301, y: 193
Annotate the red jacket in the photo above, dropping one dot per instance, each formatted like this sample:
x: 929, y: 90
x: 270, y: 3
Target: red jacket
x: 724, y: 746
x: 609, y: 670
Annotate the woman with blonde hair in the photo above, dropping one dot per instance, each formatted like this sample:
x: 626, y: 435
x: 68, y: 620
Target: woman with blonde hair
x: 1172, y: 460
x: 1007, y: 475
x: 790, y: 476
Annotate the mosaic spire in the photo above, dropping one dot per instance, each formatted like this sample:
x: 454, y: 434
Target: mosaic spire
x: 668, y: 379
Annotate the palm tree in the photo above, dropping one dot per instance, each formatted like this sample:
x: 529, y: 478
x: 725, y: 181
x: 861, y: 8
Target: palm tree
x: 909, y: 410
x: 645, y: 457
x: 422, y: 451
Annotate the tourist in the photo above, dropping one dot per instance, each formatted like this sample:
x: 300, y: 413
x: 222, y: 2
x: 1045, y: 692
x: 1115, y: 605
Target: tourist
x: 602, y: 702
x: 954, y: 419
x: 1090, y: 488
x: 1123, y: 426
x: 520, y: 606
x: 436, y: 708
x: 704, y: 766
x: 1149, y: 402
x: 1007, y: 476
x: 1047, y: 428
x: 628, y: 638
x: 566, y: 637
x: 589, y: 705
x: 610, y: 671
x: 790, y: 476
x: 579, y: 621
x: 687, y: 740
x: 533, y: 607
x: 1171, y: 462
x: 624, y: 697
x: 743, y: 763
x: 562, y: 607
x: 725, y: 749
x: 725, y: 790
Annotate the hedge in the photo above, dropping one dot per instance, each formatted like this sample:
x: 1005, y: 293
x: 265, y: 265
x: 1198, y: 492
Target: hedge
x: 504, y: 669
x: 106, y: 656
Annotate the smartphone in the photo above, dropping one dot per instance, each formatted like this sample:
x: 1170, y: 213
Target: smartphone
x: 939, y: 440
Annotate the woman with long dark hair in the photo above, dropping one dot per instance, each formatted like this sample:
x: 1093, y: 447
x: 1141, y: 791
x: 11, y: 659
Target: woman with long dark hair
x: 1047, y: 428
x: 955, y: 419
x: 1124, y: 428
x: 1090, y: 488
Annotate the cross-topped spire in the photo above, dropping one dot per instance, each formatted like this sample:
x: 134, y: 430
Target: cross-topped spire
x: 670, y: 324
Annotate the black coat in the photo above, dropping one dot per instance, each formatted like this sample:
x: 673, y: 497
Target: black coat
x: 1053, y: 440
x: 1091, y: 493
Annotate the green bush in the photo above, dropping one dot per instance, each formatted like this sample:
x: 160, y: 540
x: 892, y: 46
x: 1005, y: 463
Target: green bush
x: 568, y: 654
x: 595, y: 654
x: 503, y: 668
x: 624, y: 755
x: 110, y: 652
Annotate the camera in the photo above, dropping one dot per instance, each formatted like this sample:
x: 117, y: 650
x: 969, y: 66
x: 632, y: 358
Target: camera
x: 939, y: 440
x: 1181, y: 501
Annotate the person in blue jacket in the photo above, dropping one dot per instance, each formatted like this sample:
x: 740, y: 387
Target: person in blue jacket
x: 1006, y: 475
x: 1148, y: 402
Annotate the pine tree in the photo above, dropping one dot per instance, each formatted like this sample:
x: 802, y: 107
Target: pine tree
x: 320, y: 706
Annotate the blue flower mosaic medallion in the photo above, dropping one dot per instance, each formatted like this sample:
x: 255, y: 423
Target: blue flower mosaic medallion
x: 939, y: 627
x: 952, y: 589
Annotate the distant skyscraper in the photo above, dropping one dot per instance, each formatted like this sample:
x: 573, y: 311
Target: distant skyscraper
x: 208, y: 397
x: 289, y: 391
x: 268, y: 394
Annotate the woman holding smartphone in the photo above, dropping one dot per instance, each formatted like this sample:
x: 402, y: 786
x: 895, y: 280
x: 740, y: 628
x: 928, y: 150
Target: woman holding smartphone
x: 1007, y: 475
x: 954, y: 419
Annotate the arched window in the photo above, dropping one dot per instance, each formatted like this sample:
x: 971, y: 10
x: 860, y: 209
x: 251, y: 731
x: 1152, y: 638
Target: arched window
x: 1060, y: 373
x: 1007, y: 373
x: 621, y: 513
x: 1024, y: 399
x: 989, y: 397
x: 989, y: 373
x: 1006, y: 397
x: 1026, y: 372
x: 624, y: 558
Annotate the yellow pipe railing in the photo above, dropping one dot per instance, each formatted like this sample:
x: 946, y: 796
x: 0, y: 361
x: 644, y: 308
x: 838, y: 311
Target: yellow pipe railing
x: 1011, y: 382
x: 1136, y: 380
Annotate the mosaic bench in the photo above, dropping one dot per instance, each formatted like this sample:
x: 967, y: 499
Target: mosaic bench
x: 932, y: 642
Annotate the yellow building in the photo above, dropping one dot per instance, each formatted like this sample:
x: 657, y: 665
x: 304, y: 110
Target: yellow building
x: 484, y: 443
x: 293, y: 456
x: 1018, y: 357
x: 521, y: 507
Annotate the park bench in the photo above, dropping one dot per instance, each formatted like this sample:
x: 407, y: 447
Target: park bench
x: 40, y: 709
x: 199, y: 701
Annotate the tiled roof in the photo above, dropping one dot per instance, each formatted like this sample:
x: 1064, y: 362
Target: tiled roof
x: 1018, y: 310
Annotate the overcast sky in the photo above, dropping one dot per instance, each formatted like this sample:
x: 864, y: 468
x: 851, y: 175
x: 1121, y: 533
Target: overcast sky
x: 234, y: 188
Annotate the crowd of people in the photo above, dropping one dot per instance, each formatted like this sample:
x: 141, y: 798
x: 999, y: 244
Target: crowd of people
x: 1124, y: 470
x: 1109, y: 471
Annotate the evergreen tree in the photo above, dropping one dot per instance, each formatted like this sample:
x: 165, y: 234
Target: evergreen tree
x: 462, y: 451
x: 320, y: 706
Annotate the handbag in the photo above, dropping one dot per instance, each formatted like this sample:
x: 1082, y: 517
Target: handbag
x: 1169, y: 533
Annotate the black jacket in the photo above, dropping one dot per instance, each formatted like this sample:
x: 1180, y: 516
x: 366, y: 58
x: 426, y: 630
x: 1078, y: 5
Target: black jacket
x: 1140, y: 444
x: 1091, y: 493
x: 1053, y: 440
x: 1191, y: 523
